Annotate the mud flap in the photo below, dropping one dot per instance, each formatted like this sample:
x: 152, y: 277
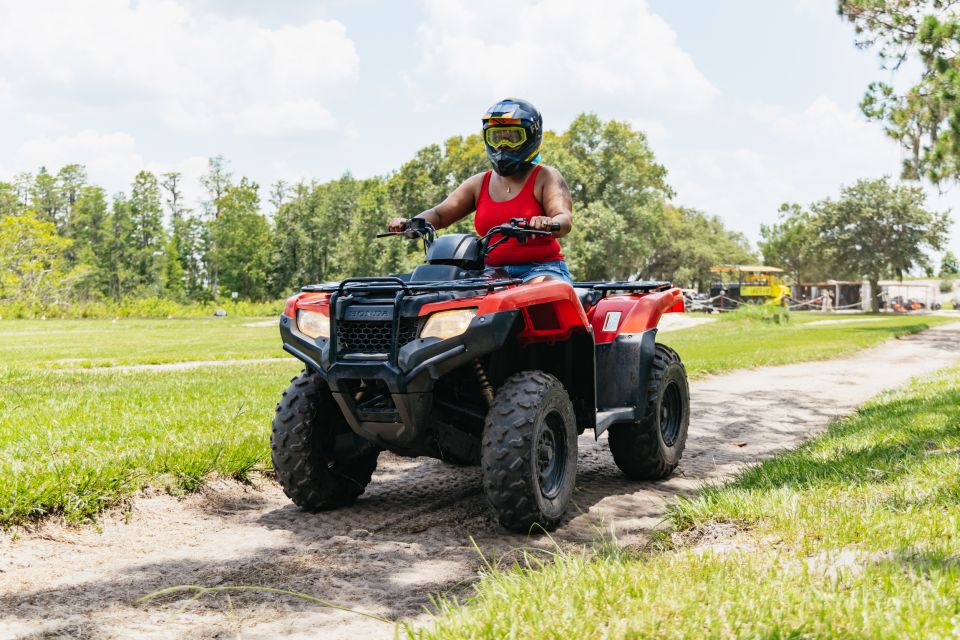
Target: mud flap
x: 623, y: 373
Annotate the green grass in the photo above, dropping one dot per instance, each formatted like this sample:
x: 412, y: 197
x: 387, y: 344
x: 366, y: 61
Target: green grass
x: 854, y: 535
x: 59, y: 344
x: 77, y: 436
x: 745, y: 342
x: 75, y: 443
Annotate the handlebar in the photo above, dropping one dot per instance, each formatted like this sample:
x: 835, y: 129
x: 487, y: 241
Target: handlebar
x: 516, y: 228
x: 414, y: 228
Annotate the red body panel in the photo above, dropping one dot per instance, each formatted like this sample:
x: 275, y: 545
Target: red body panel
x: 313, y: 301
x: 638, y: 313
x: 551, y: 310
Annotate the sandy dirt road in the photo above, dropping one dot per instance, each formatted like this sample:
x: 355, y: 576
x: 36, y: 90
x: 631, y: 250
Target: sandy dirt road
x: 408, y: 536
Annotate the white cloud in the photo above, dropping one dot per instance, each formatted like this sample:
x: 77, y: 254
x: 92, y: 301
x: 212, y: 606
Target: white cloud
x: 805, y: 155
x: 656, y: 131
x: 7, y: 100
x: 111, y: 160
x: 614, y: 53
x: 43, y: 122
x: 296, y: 116
x: 194, y: 67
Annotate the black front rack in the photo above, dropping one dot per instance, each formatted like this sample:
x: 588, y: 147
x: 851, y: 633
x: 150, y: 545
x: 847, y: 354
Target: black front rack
x: 398, y: 289
x: 393, y: 285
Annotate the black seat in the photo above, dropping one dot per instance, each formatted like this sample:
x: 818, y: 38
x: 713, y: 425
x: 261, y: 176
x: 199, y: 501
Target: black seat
x: 587, y: 297
x: 436, y: 273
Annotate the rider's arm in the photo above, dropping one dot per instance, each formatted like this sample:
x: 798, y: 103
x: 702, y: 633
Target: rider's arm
x: 458, y: 205
x: 556, y: 202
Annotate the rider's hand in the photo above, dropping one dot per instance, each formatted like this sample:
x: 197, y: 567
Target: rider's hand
x: 397, y: 224
x: 540, y: 223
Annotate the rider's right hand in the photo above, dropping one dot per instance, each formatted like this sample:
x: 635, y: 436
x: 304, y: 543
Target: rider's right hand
x: 397, y: 224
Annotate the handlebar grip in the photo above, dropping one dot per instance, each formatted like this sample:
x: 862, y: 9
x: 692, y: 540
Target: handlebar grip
x: 389, y: 233
x: 555, y: 227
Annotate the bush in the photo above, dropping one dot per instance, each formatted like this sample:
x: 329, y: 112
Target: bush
x: 758, y: 313
x: 946, y: 284
x: 139, y: 308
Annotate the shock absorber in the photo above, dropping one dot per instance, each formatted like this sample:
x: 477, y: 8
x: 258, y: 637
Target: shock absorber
x: 486, y: 389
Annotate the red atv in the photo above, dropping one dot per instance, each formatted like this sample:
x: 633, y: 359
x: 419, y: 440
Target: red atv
x: 473, y: 367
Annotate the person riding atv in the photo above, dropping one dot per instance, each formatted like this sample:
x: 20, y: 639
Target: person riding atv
x: 482, y: 355
x: 517, y: 187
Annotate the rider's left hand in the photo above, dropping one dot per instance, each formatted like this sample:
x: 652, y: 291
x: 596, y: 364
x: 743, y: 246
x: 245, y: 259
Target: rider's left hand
x: 541, y: 223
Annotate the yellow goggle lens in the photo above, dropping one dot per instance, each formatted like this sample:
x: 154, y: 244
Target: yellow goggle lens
x: 512, y: 137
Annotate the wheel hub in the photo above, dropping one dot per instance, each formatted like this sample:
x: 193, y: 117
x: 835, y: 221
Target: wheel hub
x: 671, y: 410
x: 551, y: 456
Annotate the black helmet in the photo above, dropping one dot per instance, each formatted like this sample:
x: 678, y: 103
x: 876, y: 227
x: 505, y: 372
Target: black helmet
x: 512, y: 133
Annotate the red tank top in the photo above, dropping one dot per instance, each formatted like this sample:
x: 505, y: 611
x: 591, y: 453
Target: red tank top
x: 491, y: 213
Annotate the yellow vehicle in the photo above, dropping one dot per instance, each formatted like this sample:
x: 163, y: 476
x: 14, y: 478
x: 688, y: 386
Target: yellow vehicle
x: 755, y: 284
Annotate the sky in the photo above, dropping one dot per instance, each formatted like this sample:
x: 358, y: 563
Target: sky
x: 748, y: 103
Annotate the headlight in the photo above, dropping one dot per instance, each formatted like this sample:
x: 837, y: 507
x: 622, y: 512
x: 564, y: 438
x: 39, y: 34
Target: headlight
x: 447, y: 324
x: 313, y: 324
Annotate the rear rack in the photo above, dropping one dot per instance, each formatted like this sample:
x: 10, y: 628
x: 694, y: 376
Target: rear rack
x: 645, y: 286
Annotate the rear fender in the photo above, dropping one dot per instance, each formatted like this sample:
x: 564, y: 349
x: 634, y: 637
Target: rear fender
x: 632, y: 314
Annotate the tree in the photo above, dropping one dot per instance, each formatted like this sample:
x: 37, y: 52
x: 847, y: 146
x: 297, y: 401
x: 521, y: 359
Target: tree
x: 924, y: 117
x: 691, y: 243
x: 186, y: 246
x: 147, y: 238
x: 949, y: 264
x: 119, y: 257
x: 90, y: 236
x: 876, y: 229
x: 610, y: 163
x: 241, y: 241
x: 32, y: 267
x: 216, y: 181
x: 793, y: 245
x: 46, y: 198
x: 9, y: 204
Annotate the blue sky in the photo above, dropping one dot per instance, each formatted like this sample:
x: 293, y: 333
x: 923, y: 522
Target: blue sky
x: 747, y: 103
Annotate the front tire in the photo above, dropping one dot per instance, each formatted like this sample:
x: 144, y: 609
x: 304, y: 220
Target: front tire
x: 306, y: 426
x: 650, y: 449
x: 529, y: 452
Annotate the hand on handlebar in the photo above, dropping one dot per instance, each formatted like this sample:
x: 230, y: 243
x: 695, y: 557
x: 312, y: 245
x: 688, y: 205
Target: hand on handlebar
x: 397, y: 224
x: 544, y: 224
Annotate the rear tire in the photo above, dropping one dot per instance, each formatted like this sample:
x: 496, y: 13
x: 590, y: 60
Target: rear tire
x: 305, y: 428
x: 529, y: 452
x: 650, y: 449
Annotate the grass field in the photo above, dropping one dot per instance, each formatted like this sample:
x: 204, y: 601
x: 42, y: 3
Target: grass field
x: 102, y: 343
x: 737, y: 342
x: 854, y: 535
x: 78, y: 432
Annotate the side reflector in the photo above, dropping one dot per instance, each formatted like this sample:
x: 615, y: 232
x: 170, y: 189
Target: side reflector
x: 611, y: 321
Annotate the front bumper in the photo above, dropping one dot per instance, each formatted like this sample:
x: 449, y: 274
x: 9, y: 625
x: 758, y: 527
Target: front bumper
x: 410, y: 380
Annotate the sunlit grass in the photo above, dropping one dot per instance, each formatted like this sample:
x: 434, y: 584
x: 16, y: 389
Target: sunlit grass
x: 854, y: 535
x: 74, y: 443
x: 750, y: 342
x: 77, y: 436
x: 63, y: 344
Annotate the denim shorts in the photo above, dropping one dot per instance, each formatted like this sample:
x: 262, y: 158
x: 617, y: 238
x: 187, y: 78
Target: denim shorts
x: 526, y: 272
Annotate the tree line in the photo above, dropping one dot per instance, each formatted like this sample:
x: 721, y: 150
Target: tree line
x: 64, y: 240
